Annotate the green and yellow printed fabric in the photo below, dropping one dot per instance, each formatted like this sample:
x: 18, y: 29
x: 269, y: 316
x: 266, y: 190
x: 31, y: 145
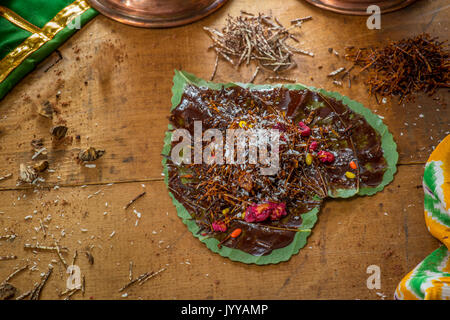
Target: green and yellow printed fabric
x: 430, y: 280
x: 31, y: 29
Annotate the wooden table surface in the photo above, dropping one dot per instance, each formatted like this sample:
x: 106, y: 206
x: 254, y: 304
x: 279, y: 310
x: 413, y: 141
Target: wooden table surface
x: 113, y: 89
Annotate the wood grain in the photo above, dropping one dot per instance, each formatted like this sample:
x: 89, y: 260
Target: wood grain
x: 113, y: 89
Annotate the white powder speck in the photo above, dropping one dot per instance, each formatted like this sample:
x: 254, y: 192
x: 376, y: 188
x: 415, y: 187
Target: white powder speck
x: 138, y: 214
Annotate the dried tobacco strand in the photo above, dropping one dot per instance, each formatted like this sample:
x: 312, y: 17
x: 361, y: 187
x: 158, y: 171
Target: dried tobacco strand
x: 261, y: 38
x: 69, y: 291
x: 90, y: 154
x: 70, y: 294
x: 141, y: 279
x: 10, y: 257
x: 40, y: 247
x: 39, y: 152
x: 254, y: 75
x: 151, y: 275
x: 43, y: 228
x: 6, y: 176
x: 134, y: 200
x: 75, y: 255
x: 8, y: 237
x: 130, y: 271
x: 12, y: 275
x: 335, y: 72
x: 58, y: 252
x: 142, y: 276
x: 281, y: 79
x: 36, y: 293
x: 24, y: 295
x: 83, y: 284
x: 301, y: 19
x: 405, y: 67
x: 59, y: 132
x: 215, y: 68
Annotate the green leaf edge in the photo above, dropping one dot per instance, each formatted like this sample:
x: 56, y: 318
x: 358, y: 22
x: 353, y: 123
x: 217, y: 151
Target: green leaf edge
x: 181, y: 78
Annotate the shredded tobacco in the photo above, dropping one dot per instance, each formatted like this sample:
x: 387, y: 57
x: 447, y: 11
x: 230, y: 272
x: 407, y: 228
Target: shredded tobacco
x: 261, y: 38
x: 405, y: 67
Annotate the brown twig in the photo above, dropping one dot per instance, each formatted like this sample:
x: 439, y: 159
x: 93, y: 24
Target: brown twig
x: 134, y: 200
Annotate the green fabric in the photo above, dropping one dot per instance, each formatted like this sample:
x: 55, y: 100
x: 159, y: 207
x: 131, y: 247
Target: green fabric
x: 37, y: 12
x: 432, y: 202
x: 10, y: 37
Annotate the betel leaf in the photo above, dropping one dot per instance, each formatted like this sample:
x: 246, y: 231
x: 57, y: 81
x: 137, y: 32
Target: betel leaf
x: 388, y: 145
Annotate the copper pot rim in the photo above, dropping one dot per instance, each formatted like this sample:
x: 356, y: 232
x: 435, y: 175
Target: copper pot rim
x: 359, y: 10
x: 153, y: 20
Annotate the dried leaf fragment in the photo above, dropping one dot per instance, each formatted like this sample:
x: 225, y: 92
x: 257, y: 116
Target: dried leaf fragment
x: 27, y: 174
x: 7, y: 291
x: 59, y: 132
x: 41, y: 166
x: 90, y: 154
x: 47, y: 110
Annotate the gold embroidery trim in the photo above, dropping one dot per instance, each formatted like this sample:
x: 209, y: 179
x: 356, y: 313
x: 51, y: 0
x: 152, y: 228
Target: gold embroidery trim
x: 14, y: 18
x: 39, y: 36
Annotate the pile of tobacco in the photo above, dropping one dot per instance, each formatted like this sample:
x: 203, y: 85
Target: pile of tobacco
x: 405, y: 67
x: 261, y: 38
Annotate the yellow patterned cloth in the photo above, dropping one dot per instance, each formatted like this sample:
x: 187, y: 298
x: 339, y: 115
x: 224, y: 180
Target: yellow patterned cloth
x: 430, y: 280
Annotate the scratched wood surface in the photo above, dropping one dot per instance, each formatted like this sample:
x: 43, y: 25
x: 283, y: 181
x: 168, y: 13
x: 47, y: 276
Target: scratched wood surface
x: 112, y: 89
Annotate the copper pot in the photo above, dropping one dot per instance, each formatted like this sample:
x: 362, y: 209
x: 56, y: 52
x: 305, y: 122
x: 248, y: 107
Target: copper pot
x: 359, y: 7
x: 156, y: 13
